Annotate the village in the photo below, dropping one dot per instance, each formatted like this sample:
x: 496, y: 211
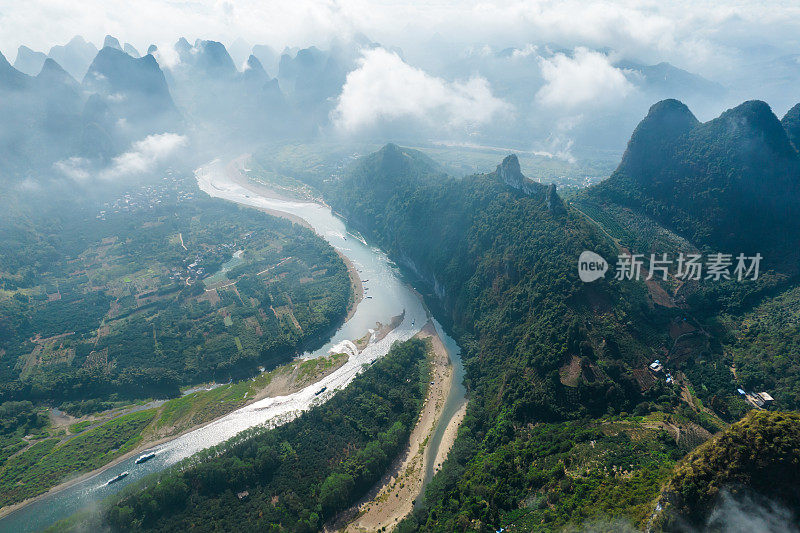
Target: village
x: 759, y: 400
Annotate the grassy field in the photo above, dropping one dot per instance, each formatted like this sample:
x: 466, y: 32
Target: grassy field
x: 31, y: 468
x: 49, y: 461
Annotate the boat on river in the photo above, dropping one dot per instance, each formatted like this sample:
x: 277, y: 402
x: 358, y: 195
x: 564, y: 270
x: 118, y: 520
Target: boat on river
x: 118, y: 477
x: 144, y: 458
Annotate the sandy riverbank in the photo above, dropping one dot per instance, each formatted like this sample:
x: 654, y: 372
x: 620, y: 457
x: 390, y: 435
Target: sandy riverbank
x: 394, y: 496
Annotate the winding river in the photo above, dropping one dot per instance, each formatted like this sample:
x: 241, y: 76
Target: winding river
x: 390, y: 296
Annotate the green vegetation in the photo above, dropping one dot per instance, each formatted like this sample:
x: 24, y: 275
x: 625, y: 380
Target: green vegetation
x: 47, y: 461
x: 498, y: 254
x: 559, y: 474
x: 725, y: 184
x: 296, y: 476
x: 758, y: 454
x: 764, y: 344
x: 164, y: 287
x: 44, y: 464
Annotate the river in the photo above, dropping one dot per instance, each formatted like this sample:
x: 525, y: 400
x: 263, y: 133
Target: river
x: 390, y: 296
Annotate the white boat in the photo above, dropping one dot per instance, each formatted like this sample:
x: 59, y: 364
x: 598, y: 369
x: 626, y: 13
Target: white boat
x: 117, y: 477
x: 144, y: 458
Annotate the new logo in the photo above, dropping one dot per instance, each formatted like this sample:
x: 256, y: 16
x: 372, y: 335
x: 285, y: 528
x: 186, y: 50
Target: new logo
x: 591, y: 266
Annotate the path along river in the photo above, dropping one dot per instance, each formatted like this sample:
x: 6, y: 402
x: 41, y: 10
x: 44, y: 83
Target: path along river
x: 389, y: 297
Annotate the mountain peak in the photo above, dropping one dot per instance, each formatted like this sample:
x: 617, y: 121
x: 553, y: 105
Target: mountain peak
x: 791, y: 123
x: 510, y: 173
x: 131, y: 50
x: 672, y: 117
x: 214, y: 58
x: 753, y: 123
x: 509, y: 168
x: 254, y: 63
x: 654, y: 137
x: 11, y: 78
x: 390, y: 149
x: 52, y: 72
x: 29, y: 61
x: 254, y: 72
x: 111, y: 42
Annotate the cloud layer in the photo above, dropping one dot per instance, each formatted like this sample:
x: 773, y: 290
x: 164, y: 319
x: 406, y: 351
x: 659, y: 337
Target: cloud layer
x: 691, y: 34
x: 587, y: 78
x: 144, y: 156
x: 384, y: 88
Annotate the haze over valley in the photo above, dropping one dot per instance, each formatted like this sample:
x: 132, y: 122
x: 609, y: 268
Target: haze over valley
x: 366, y: 266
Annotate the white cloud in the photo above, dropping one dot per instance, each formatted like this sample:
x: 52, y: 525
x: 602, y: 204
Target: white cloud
x: 144, y: 156
x: 700, y: 36
x: 529, y: 49
x: 587, y: 78
x: 385, y: 88
x: 75, y: 168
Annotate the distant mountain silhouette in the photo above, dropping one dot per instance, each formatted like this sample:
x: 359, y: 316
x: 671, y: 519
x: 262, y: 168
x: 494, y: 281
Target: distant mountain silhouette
x: 111, y: 42
x: 134, y: 89
x: 75, y: 56
x: 129, y: 49
x: 29, y: 61
x: 666, y: 80
x: 207, y: 83
x: 40, y: 116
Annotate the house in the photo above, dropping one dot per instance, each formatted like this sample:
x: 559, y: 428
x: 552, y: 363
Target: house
x: 656, y: 367
x: 766, y: 399
x: 242, y: 495
x: 762, y: 400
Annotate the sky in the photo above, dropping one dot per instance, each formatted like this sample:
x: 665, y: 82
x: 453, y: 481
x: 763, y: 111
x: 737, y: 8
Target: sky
x: 439, y: 73
x: 701, y: 36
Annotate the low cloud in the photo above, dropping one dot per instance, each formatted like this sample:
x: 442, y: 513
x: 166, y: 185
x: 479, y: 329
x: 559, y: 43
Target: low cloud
x: 144, y: 156
x: 586, y: 78
x: 385, y: 88
x: 75, y: 168
x: 749, y: 513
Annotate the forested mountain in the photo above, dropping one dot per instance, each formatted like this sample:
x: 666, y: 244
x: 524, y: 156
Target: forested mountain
x: 726, y: 184
x: 791, y: 123
x: 756, y: 458
x: 498, y: 253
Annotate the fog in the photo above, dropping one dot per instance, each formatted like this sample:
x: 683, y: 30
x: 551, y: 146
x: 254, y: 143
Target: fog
x: 566, y: 80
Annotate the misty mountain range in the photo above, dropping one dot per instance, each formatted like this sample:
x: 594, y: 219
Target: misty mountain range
x: 82, y: 106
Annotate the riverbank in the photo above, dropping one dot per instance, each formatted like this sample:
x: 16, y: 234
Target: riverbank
x: 391, y: 298
x: 286, y: 379
x: 234, y: 172
x: 394, y: 496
